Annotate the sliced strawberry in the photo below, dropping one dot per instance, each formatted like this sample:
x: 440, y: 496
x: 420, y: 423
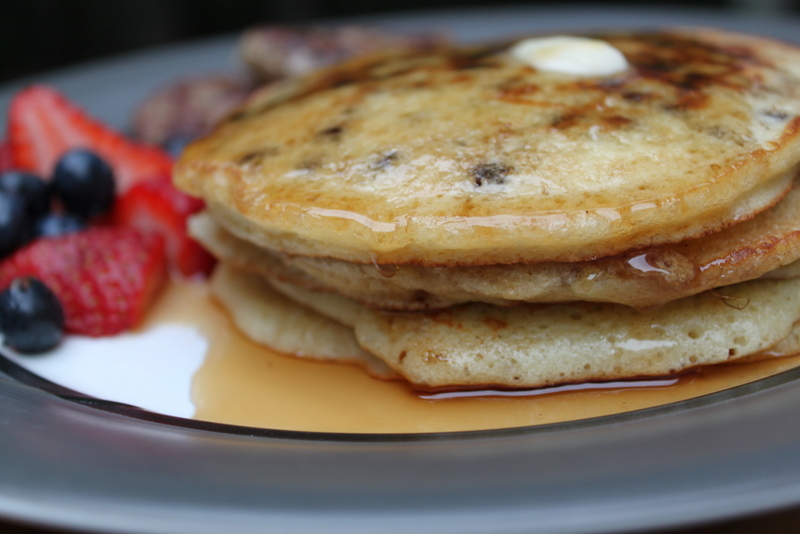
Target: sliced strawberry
x: 43, y: 124
x: 104, y: 277
x: 157, y: 206
x: 6, y: 161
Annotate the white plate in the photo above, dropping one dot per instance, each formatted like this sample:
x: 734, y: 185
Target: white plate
x: 71, y: 461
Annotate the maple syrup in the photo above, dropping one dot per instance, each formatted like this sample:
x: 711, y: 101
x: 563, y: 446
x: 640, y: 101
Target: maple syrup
x: 245, y: 384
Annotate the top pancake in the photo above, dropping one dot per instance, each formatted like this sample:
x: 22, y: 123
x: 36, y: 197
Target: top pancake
x: 470, y: 157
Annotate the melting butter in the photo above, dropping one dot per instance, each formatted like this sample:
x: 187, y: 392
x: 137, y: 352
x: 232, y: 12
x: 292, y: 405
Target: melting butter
x: 580, y: 56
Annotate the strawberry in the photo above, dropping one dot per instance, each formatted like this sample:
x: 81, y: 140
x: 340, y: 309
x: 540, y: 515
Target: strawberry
x: 104, y: 277
x: 43, y: 124
x: 6, y: 163
x: 157, y: 206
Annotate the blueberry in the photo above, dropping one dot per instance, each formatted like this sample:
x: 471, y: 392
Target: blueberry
x: 56, y: 224
x: 84, y: 182
x: 15, y: 227
x: 31, y: 316
x: 31, y: 188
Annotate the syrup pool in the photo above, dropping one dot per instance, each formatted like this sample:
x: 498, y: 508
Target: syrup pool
x: 242, y: 383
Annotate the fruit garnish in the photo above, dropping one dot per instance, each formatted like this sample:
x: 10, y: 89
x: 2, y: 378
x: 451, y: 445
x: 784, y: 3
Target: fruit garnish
x: 84, y: 183
x: 31, y: 188
x: 15, y: 225
x: 105, y: 277
x: 6, y: 161
x: 56, y: 224
x: 31, y: 316
x: 43, y: 124
x: 158, y: 206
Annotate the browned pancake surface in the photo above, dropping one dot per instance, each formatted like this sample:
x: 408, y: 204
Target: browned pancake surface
x: 470, y: 157
x: 767, y: 245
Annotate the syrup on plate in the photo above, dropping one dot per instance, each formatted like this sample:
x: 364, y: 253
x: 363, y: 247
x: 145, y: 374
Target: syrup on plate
x: 243, y: 383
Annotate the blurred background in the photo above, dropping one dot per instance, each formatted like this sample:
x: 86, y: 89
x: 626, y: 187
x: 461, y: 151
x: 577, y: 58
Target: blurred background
x: 38, y: 35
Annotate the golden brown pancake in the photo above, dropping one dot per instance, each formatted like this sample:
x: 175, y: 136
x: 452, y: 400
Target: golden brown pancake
x: 648, y: 277
x: 478, y: 345
x: 271, y: 319
x: 535, y: 227
x: 469, y: 156
x: 534, y: 346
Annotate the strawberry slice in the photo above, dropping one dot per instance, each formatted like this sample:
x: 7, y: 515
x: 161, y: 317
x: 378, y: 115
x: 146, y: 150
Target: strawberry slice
x: 157, y: 206
x: 6, y: 161
x: 104, y: 277
x: 43, y: 124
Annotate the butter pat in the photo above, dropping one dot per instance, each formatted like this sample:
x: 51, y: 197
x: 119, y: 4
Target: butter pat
x: 580, y: 56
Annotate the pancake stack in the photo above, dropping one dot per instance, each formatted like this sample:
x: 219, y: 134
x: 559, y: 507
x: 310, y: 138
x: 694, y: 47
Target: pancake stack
x: 467, y: 218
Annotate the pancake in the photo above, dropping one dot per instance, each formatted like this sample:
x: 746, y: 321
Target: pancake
x: 648, y: 277
x: 477, y: 345
x: 271, y: 319
x: 469, y: 218
x: 536, y: 346
x: 467, y: 156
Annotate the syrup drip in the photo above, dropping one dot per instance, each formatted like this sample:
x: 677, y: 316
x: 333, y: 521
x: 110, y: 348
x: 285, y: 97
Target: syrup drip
x: 621, y: 384
x: 640, y: 263
x: 386, y: 270
x: 245, y: 384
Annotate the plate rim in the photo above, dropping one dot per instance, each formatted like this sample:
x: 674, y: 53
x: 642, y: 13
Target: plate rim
x: 38, y: 495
